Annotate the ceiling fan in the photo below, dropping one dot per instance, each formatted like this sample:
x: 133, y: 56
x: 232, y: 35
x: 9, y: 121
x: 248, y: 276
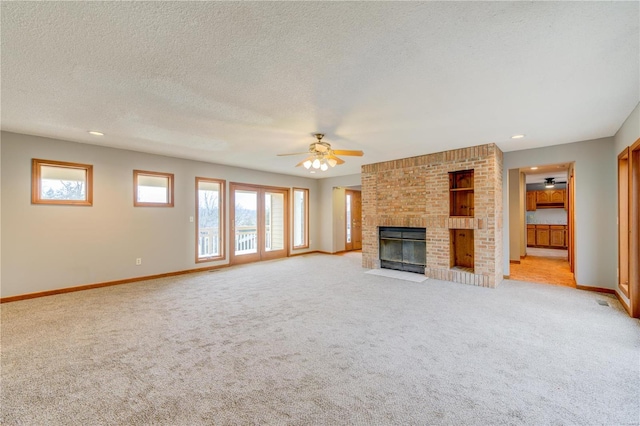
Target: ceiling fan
x: 551, y: 182
x: 321, y: 156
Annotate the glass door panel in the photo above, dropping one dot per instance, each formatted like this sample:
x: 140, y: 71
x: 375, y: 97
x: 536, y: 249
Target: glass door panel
x: 274, y: 212
x: 245, y: 222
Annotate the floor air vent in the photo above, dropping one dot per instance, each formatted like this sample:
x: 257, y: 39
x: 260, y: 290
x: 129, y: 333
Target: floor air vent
x: 602, y: 302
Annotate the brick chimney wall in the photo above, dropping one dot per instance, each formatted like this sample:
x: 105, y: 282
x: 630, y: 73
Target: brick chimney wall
x: 414, y: 192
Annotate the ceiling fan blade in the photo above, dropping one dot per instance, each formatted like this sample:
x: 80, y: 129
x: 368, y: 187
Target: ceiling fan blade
x: 348, y: 152
x: 338, y: 160
x: 294, y: 153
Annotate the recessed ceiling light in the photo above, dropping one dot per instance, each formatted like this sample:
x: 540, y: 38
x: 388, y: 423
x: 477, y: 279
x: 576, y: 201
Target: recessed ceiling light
x: 94, y: 133
x: 517, y: 136
x: 534, y: 168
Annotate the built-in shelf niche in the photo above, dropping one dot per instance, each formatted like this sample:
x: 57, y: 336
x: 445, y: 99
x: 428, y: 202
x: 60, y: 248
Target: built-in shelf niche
x: 461, y: 188
x: 461, y: 193
x: 462, y: 249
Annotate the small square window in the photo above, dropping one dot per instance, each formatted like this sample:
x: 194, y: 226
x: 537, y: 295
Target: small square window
x: 59, y: 182
x: 152, y: 189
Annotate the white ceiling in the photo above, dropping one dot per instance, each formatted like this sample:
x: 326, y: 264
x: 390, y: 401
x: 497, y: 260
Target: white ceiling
x: 238, y: 82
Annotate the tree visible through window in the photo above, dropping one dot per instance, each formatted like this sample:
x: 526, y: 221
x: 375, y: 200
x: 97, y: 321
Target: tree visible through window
x: 58, y: 182
x: 210, y: 212
x: 300, y: 218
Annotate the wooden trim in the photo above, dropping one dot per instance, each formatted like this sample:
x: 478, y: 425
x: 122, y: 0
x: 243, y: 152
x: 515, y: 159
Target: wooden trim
x: 517, y: 262
x: 328, y: 252
x: 221, y: 219
x: 571, y: 219
x: 170, y: 187
x: 623, y: 172
x: 36, y: 180
x: 303, y: 253
x: 106, y: 284
x: 624, y: 304
x: 305, y: 243
x: 596, y: 289
x: 634, y: 229
x: 506, y: 277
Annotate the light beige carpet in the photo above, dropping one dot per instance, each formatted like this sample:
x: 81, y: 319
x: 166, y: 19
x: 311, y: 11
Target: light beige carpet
x: 314, y: 340
x: 398, y: 275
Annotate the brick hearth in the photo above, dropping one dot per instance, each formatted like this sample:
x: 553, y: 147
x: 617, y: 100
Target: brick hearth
x: 414, y: 192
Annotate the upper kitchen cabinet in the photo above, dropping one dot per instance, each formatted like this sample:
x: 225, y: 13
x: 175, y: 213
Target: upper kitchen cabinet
x: 548, y: 199
x: 531, y: 201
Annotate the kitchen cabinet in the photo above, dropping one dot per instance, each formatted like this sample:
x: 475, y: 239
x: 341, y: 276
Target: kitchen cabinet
x: 557, y: 235
x: 542, y: 235
x: 547, y: 199
x: 531, y: 201
x: 531, y: 235
x: 542, y: 197
x: 547, y: 236
x: 557, y: 196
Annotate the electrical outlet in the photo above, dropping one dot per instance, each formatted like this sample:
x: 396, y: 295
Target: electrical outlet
x: 138, y: 261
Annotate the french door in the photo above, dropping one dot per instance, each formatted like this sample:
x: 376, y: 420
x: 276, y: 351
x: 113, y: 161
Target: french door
x: 258, y: 223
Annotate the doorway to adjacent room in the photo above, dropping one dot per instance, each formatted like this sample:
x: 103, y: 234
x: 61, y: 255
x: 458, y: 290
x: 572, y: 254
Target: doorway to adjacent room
x: 544, y: 222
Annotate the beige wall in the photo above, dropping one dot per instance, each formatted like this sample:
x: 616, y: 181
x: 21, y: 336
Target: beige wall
x: 514, y: 215
x: 332, y: 226
x: 595, y: 206
x: 50, y: 247
x: 629, y: 132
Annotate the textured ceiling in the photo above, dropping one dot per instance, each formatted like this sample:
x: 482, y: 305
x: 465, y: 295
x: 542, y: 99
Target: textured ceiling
x: 238, y: 82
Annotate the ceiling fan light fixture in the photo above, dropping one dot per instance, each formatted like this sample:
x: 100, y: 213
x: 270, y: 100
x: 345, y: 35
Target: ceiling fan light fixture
x: 321, y: 157
x: 549, y: 183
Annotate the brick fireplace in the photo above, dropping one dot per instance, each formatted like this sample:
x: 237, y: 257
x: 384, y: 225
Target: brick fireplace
x: 455, y: 195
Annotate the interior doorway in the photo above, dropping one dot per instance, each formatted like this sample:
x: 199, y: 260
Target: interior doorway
x: 353, y: 220
x: 542, y: 217
x: 259, y: 223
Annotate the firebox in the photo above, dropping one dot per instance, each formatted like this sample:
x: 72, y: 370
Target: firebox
x: 404, y: 249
